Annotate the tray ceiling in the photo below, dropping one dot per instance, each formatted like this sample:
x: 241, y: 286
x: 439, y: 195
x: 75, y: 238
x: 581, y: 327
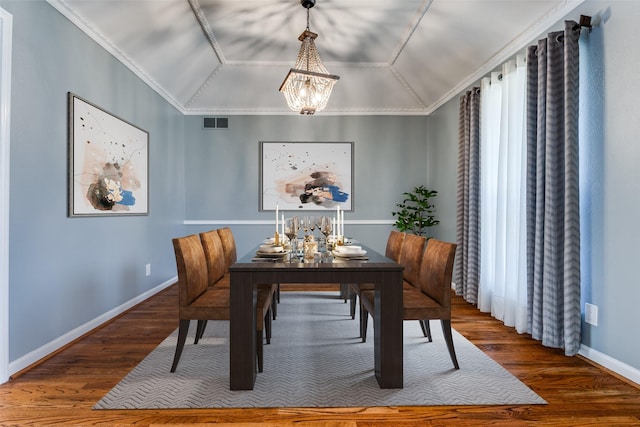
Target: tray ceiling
x: 228, y: 57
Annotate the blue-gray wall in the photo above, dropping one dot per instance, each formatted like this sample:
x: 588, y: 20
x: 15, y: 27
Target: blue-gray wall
x: 222, y: 169
x: 64, y: 271
x: 67, y: 271
x: 612, y: 151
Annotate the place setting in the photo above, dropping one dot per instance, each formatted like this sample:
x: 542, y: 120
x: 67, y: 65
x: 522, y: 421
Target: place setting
x: 350, y: 252
x: 270, y: 251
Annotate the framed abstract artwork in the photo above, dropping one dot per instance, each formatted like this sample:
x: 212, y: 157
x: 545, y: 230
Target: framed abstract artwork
x: 108, y: 163
x: 306, y: 175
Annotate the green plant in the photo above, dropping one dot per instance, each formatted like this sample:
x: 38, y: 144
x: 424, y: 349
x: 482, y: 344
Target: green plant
x: 416, y: 212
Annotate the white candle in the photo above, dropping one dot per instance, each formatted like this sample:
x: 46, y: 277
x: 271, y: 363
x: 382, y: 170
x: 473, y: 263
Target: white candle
x: 335, y: 230
x: 342, y: 223
x: 337, y: 221
x: 276, y: 217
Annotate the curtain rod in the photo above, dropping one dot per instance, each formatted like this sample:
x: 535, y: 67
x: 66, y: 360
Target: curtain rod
x: 585, y: 22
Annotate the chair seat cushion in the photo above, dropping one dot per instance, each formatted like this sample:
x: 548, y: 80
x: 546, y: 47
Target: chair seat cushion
x: 407, y: 286
x: 212, y: 304
x: 359, y: 287
x: 415, y: 305
x: 223, y: 282
x: 419, y: 306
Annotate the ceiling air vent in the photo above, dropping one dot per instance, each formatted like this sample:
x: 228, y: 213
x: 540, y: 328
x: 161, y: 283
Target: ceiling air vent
x: 216, y: 123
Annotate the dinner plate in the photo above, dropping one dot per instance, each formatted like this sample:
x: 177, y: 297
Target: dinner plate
x: 350, y: 254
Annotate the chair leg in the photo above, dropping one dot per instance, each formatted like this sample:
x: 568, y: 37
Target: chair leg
x: 274, y: 305
x: 182, y: 337
x: 278, y: 293
x: 448, y: 337
x: 259, y: 352
x: 364, y: 319
x: 200, y: 330
x: 426, y: 329
x: 267, y: 326
x: 354, y: 301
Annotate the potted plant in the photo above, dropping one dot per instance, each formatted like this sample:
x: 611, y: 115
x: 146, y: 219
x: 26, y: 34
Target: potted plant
x: 416, y: 211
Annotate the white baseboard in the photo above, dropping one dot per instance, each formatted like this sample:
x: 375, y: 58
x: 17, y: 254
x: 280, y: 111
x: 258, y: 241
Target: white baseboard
x: 42, y: 352
x: 620, y: 368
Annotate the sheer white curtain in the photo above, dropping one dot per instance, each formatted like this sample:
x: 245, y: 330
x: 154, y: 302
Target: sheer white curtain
x: 503, y: 279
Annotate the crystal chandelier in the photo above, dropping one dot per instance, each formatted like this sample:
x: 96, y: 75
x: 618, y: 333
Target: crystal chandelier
x: 308, y: 85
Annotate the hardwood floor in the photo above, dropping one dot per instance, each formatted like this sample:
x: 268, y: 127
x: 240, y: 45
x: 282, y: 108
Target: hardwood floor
x: 62, y: 390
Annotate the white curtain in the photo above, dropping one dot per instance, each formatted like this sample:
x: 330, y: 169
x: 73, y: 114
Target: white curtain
x: 503, y: 274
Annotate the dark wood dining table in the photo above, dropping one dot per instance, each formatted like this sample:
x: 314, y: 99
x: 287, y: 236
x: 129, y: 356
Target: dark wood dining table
x: 386, y: 274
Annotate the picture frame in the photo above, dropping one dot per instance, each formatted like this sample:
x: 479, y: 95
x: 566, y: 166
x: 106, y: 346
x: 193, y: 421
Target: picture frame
x: 108, y: 163
x: 306, y: 176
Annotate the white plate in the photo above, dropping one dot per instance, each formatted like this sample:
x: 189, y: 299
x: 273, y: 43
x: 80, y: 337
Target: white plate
x: 349, y: 254
x: 270, y: 249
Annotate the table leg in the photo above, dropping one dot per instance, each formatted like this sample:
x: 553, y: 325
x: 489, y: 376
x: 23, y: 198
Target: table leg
x: 388, y: 336
x: 242, y: 332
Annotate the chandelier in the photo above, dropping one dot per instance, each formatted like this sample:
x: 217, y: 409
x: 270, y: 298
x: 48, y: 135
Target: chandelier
x: 308, y: 85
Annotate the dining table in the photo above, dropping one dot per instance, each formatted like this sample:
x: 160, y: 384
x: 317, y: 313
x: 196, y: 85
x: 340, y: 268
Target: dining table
x: 251, y: 270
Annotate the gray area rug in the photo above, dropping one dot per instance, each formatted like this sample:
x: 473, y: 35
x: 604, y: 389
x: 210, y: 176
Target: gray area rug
x: 316, y: 359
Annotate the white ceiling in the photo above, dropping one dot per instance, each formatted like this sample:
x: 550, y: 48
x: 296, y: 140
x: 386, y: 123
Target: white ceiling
x: 225, y: 57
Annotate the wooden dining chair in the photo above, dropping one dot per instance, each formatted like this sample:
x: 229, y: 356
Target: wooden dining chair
x: 216, y: 266
x: 216, y: 259
x: 218, y: 262
x: 199, y: 300
x: 392, y: 251
x: 266, y: 306
x: 196, y: 299
x: 228, y: 245
x: 231, y: 256
x: 410, y: 258
x: 432, y: 298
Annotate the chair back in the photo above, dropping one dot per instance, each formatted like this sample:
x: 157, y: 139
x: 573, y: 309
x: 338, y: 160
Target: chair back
x: 411, y: 257
x: 436, y: 271
x: 394, y: 245
x: 214, y: 253
x: 192, y: 269
x: 229, y: 246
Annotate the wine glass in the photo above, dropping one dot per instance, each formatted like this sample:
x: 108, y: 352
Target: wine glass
x: 291, y: 228
x: 325, y: 228
x: 313, y: 222
x: 306, y: 223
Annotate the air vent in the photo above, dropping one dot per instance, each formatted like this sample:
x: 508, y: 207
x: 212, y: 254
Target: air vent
x: 216, y: 123
x: 222, y: 123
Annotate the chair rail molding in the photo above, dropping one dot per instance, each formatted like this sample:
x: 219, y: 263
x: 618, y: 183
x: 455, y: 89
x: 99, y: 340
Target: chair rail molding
x: 268, y: 222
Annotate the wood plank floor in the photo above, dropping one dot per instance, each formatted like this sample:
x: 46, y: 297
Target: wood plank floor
x: 62, y: 390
